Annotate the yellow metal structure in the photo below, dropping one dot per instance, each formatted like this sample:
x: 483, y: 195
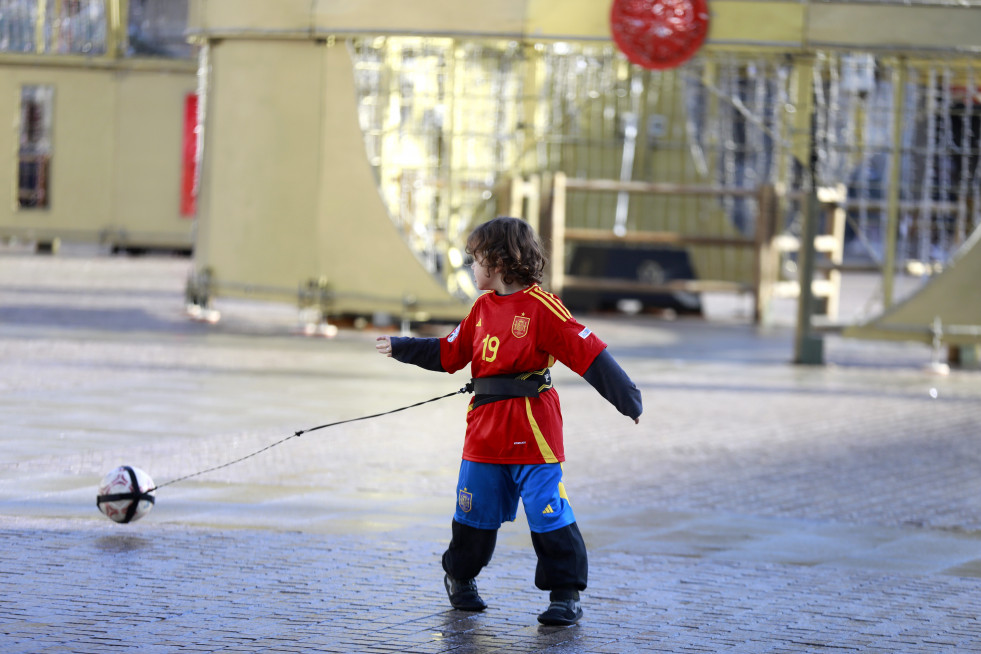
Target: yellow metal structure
x: 779, y: 24
x: 288, y: 196
x: 349, y: 145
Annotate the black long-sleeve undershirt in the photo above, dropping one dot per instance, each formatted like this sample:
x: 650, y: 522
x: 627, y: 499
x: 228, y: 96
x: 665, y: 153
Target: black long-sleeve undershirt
x: 604, y: 373
x: 609, y: 379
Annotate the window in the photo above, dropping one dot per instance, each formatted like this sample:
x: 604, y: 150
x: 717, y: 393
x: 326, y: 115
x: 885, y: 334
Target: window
x: 53, y: 26
x: 151, y: 28
x: 75, y: 27
x: 156, y: 28
x: 17, y: 21
x: 34, y: 153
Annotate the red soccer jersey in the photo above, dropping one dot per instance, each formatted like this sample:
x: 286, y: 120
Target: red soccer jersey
x: 505, y: 334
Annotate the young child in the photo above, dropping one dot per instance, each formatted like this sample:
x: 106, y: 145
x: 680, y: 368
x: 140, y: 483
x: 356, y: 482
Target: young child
x: 513, y: 446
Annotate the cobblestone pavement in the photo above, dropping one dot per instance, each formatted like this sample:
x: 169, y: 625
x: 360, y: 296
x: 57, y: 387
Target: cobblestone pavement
x: 758, y: 507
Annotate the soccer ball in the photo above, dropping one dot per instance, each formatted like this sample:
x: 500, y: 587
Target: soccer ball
x: 125, y: 494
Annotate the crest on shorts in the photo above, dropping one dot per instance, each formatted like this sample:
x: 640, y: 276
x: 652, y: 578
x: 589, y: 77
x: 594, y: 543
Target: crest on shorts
x: 520, y: 326
x: 465, y: 501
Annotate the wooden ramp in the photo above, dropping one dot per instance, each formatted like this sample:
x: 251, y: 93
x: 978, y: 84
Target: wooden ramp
x: 291, y: 207
x: 946, y: 310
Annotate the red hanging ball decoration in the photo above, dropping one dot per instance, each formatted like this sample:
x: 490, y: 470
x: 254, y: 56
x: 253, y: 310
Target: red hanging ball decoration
x: 659, y: 34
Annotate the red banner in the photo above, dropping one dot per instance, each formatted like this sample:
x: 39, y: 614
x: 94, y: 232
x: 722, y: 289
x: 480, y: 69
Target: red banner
x: 189, y: 158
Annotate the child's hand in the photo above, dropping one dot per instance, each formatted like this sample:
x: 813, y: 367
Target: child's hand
x: 384, y: 345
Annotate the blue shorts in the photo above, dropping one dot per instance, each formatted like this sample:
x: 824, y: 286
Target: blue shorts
x: 488, y: 493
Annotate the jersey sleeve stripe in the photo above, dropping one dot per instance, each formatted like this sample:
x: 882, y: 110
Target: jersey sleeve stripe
x: 552, y: 303
x: 554, y: 299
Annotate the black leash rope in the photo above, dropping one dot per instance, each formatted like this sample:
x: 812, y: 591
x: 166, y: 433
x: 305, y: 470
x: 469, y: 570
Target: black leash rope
x: 466, y: 389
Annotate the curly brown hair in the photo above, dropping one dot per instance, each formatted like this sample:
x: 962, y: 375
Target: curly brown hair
x: 512, y: 245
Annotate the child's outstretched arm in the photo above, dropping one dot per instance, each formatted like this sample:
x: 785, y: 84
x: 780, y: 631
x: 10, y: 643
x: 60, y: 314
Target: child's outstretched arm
x: 422, y: 352
x: 606, y: 376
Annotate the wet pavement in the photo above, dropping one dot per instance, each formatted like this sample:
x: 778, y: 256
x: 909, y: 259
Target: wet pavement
x: 757, y: 507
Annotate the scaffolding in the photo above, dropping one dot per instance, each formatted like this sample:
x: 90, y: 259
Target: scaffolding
x: 463, y: 112
x: 449, y: 122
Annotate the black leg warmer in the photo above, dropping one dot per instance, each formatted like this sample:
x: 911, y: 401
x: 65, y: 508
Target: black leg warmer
x: 562, y: 561
x: 469, y: 551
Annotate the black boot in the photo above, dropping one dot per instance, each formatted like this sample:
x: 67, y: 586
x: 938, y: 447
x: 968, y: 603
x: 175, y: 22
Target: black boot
x: 469, y: 551
x: 564, y: 609
x: 463, y: 594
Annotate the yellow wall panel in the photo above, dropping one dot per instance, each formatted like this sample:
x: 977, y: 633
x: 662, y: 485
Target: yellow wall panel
x: 261, y: 160
x: 149, y: 130
x: 256, y: 15
x: 111, y: 177
x: 571, y: 18
x: 894, y: 26
x: 425, y: 16
x: 82, y: 146
x: 764, y: 23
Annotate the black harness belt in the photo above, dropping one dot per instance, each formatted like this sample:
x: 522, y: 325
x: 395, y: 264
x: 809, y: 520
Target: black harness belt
x: 503, y: 387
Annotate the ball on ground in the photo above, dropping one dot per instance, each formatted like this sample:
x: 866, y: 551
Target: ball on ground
x: 125, y: 494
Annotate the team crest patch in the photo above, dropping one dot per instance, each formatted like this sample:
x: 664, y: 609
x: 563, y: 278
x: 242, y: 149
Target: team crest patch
x: 466, y: 501
x: 520, y: 326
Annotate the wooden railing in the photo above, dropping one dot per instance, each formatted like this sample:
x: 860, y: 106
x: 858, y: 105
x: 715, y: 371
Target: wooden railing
x: 547, y: 212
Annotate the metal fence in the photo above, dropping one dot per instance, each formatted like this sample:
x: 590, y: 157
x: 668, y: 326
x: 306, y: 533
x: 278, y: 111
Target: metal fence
x: 448, y: 123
